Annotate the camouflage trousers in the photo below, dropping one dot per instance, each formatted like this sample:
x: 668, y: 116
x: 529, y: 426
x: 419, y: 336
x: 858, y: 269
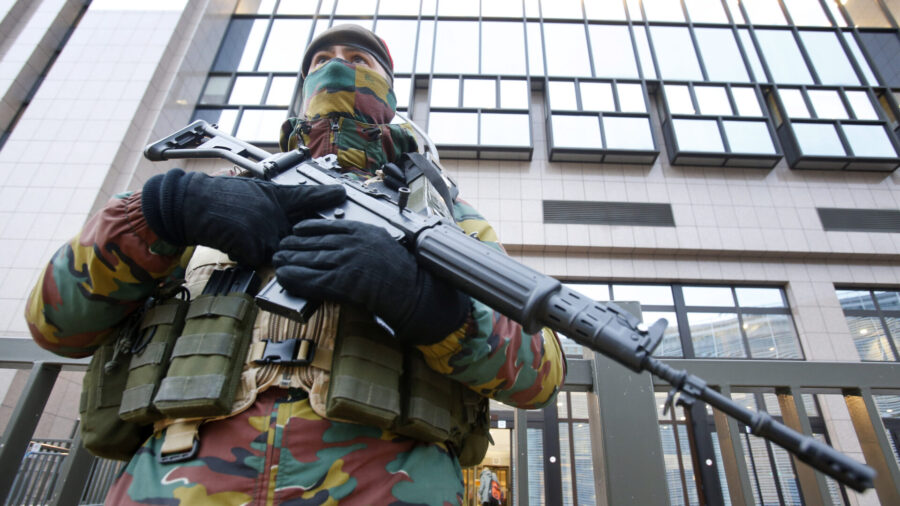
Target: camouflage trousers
x: 280, y: 452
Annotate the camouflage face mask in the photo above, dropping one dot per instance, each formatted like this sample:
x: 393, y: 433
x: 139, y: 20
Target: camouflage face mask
x: 340, y: 88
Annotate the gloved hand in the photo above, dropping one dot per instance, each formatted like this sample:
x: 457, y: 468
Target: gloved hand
x: 242, y: 217
x: 351, y: 261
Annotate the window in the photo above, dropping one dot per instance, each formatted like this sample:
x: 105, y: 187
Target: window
x: 873, y: 317
x: 575, y: 448
x: 675, y: 53
x: 786, y: 64
x: 721, y: 55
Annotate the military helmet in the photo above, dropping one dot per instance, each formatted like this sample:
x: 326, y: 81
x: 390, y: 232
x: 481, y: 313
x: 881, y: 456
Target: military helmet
x: 353, y: 36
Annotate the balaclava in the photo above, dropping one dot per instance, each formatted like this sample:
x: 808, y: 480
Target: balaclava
x: 348, y: 108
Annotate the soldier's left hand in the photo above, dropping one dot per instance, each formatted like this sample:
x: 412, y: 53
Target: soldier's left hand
x: 354, y: 262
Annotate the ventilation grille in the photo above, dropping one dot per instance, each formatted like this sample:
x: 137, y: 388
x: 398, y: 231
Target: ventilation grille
x: 859, y: 220
x: 608, y: 213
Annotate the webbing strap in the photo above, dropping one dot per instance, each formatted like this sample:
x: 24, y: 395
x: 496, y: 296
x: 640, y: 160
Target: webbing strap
x: 153, y: 354
x: 160, y: 314
x: 370, y: 351
x: 136, y: 398
x: 366, y: 393
x: 188, y: 388
x: 433, y: 175
x: 180, y: 437
x: 423, y: 409
x: 210, y: 343
x: 221, y: 305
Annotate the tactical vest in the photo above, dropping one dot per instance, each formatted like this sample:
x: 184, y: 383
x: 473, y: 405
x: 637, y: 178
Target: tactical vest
x: 183, y: 363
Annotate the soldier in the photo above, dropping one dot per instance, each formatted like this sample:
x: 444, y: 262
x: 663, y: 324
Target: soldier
x: 278, y: 445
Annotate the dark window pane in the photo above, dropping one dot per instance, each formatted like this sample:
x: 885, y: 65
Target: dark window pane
x: 869, y: 338
x: 855, y: 299
x: 884, y: 49
x: 216, y: 90
x: 240, y: 47
x: 771, y: 336
x: 716, y: 335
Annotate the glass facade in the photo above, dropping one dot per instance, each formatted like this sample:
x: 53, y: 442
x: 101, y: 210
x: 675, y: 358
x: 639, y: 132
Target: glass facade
x: 873, y: 317
x: 736, y: 84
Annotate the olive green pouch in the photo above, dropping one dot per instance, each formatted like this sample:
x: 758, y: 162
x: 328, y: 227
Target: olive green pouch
x: 208, y: 357
x: 470, y: 427
x: 426, y: 402
x: 103, y: 433
x: 161, y: 325
x: 365, y: 376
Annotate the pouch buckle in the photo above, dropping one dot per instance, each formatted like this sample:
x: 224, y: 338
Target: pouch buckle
x: 173, y: 458
x: 287, y: 352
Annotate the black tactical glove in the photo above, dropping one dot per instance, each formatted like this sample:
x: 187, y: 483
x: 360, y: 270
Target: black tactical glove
x: 242, y: 217
x: 350, y: 261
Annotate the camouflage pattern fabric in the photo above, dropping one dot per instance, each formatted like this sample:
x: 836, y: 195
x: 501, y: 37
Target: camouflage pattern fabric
x: 279, y: 451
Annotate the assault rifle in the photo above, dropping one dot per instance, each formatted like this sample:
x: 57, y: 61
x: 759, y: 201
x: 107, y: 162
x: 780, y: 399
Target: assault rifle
x: 523, y: 294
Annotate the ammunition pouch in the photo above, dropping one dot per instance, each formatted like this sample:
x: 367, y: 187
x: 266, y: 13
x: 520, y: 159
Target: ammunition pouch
x: 208, y: 357
x: 103, y: 433
x: 161, y: 325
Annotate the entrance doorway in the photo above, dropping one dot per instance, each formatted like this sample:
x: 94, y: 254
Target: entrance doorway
x: 498, y: 460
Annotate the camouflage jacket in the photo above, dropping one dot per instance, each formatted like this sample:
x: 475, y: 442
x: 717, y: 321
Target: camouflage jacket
x: 278, y: 451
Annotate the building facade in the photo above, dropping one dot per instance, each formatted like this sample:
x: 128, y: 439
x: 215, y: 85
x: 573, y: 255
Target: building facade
x: 729, y: 164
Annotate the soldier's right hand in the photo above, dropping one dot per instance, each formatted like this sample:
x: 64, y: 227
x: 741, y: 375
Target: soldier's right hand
x: 242, y: 217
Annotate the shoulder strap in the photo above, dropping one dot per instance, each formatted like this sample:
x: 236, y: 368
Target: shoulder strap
x: 448, y: 193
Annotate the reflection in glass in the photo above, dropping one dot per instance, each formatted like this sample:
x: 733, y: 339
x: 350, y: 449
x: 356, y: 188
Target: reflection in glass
x: 643, y: 49
x: 605, y: 10
x: 828, y: 58
x: 869, y: 140
x: 663, y: 10
x: 576, y: 131
x: 794, y: 105
x: 706, y: 11
x: 746, y: 101
x: 675, y: 53
x: 888, y: 301
x: 764, y: 12
x: 855, y: 299
x: 502, y: 48
x: 752, y: 55
x: 866, y: 14
x: 453, y: 128
x: 749, y: 137
x: 827, y: 104
x: 627, y: 133
x: 513, y: 94
x: 567, y: 53
x: 698, y: 135
x: 631, y: 98
x: 678, y: 97
x: 671, y: 341
x: 893, y: 325
x: 861, y: 105
x: 807, y: 12
x: 771, y: 336
x: 716, y: 335
x: 783, y: 56
x: 216, y: 90
x: 562, y: 96
x: 280, y: 53
x: 710, y: 296
x: 670, y: 459
x: 721, y: 55
x: 584, y: 465
x: 505, y: 129
x: 818, y: 139
x: 240, y: 47
x: 612, y: 51
x: 456, y: 48
x: 260, y: 125
x: 536, y: 466
x: 597, y: 97
x: 713, y: 100
x: 444, y: 92
x: 480, y: 93
x: 565, y: 462
x: 247, y: 90
x: 889, y: 408
x: 501, y: 9
x: 281, y: 90
x: 860, y: 59
x: 869, y: 338
x: 400, y: 36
